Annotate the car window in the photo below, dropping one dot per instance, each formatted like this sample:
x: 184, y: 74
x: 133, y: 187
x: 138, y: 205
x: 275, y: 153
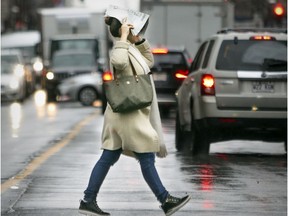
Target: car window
x: 73, y: 60
x: 7, y: 68
x: 57, y: 45
x: 170, y: 58
x: 252, y: 55
x: 8, y: 63
x: 208, y: 53
x: 198, y: 57
x: 12, y: 59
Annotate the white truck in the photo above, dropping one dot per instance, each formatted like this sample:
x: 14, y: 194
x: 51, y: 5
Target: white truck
x: 79, y: 25
x: 186, y: 23
x: 71, y: 28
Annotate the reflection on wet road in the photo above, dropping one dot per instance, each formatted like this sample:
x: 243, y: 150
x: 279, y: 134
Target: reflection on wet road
x: 237, y: 178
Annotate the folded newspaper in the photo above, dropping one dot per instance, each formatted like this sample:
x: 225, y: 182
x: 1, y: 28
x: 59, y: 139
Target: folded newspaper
x: 138, y: 19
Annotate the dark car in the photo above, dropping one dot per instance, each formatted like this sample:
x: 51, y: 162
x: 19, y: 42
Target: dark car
x: 170, y: 68
x: 69, y: 70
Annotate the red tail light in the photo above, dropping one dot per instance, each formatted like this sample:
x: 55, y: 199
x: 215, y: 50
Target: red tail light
x: 181, y: 74
x: 107, y: 76
x: 208, y: 85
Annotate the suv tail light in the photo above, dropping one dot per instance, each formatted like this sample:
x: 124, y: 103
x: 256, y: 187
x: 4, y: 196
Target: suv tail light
x: 207, y: 85
x: 262, y: 37
x: 181, y: 74
x: 107, y: 76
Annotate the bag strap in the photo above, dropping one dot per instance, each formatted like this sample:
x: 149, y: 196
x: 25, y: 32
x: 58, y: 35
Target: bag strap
x: 133, y: 70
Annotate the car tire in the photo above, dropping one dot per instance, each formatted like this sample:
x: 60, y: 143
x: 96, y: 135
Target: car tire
x: 183, y: 139
x: 104, y: 105
x: 87, y: 96
x: 201, y: 140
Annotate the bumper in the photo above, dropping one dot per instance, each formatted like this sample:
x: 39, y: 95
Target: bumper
x: 221, y: 129
x: 207, y: 108
x: 266, y: 125
x: 166, y: 100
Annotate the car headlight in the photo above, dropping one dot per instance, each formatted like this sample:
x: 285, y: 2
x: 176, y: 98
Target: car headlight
x: 38, y: 66
x: 19, y: 71
x: 50, y: 75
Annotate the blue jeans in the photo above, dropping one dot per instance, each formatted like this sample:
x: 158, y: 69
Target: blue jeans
x: 109, y: 158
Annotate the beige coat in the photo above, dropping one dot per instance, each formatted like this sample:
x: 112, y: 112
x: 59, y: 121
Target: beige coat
x: 138, y: 131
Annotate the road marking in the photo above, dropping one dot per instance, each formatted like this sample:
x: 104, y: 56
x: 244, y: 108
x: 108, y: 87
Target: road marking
x: 36, y: 162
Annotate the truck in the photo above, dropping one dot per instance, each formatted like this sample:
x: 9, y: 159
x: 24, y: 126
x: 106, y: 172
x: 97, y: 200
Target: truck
x: 78, y: 25
x: 69, y: 29
x: 186, y: 23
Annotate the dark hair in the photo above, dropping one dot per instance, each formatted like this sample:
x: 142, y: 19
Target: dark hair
x: 114, y: 24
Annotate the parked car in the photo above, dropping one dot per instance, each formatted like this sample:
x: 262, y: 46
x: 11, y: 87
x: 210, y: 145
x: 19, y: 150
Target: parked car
x: 171, y: 65
x: 73, y: 73
x: 14, y: 76
x: 236, y: 89
x: 26, y: 42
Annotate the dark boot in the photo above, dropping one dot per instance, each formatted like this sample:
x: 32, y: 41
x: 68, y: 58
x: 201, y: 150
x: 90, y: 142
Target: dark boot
x: 173, y: 204
x: 91, y: 208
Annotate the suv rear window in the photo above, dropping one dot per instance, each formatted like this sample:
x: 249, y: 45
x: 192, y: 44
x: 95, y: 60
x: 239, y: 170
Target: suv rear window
x: 252, y: 55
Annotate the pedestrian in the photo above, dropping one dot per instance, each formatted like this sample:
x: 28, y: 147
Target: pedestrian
x: 137, y: 133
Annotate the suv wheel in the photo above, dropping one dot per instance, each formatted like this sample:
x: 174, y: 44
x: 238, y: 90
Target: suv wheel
x: 87, y: 96
x: 183, y: 139
x: 201, y: 140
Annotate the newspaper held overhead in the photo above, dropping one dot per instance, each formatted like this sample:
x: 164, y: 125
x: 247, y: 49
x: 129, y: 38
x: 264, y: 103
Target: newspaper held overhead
x: 138, y: 19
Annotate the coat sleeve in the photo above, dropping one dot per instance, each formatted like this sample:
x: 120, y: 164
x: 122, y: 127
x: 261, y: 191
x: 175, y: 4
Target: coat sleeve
x: 119, y: 55
x: 145, y: 50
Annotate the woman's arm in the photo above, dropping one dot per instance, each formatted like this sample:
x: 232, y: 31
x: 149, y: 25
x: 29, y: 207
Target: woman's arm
x: 119, y: 54
x: 145, y: 50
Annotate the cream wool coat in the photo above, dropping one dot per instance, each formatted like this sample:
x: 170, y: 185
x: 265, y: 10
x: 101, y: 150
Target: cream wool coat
x: 141, y: 130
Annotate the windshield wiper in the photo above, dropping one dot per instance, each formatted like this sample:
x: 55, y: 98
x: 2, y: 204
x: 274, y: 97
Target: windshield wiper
x: 274, y: 63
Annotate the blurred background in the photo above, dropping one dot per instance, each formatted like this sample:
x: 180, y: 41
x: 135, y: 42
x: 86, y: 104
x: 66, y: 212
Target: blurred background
x: 40, y: 28
x: 22, y: 14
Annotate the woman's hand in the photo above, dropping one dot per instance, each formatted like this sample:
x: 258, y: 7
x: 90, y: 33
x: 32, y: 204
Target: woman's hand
x: 125, y: 30
x: 134, y: 38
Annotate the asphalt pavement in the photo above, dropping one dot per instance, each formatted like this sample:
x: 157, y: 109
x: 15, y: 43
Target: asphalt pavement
x: 223, y: 184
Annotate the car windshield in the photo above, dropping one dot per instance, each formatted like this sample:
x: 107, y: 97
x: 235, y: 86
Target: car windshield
x: 8, y: 62
x: 73, y: 60
x: 171, y: 58
x: 251, y: 55
x: 68, y: 44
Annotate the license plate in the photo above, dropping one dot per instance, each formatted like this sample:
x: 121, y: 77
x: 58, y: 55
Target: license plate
x: 263, y: 86
x: 159, y: 76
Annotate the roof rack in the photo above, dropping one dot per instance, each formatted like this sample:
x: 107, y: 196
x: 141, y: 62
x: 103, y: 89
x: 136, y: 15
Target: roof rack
x: 272, y: 30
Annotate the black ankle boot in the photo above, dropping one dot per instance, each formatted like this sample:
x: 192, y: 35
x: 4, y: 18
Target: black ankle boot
x: 173, y: 204
x: 91, y: 208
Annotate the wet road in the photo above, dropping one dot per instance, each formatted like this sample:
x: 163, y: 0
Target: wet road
x: 55, y: 146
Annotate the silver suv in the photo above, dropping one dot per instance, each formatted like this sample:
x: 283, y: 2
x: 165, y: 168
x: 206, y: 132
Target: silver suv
x: 236, y: 89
